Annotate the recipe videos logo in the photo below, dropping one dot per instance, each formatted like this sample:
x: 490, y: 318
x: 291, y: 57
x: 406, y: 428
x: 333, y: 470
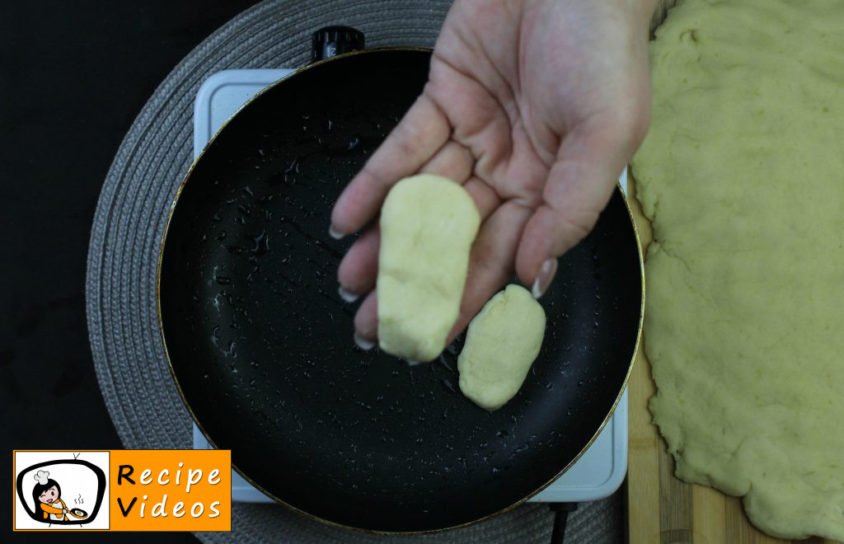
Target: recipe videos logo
x: 122, y: 490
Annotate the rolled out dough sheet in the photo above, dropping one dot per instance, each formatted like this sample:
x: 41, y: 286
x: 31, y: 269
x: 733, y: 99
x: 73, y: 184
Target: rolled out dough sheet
x: 742, y: 177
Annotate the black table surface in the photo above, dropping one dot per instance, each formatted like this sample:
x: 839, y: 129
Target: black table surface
x: 73, y: 76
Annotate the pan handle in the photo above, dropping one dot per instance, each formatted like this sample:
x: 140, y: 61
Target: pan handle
x: 330, y: 41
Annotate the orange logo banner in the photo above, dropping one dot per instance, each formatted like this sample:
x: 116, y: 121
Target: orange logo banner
x: 171, y: 490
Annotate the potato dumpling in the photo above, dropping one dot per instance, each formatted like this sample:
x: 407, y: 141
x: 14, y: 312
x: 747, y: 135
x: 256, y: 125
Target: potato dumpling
x: 428, y: 224
x: 501, y: 345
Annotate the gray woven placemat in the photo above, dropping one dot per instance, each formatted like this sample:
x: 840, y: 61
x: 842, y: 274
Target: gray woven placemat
x: 129, y: 221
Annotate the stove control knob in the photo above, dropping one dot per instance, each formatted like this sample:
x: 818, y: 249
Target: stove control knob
x: 331, y: 41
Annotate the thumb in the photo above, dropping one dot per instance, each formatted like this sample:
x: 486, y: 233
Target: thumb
x: 579, y: 185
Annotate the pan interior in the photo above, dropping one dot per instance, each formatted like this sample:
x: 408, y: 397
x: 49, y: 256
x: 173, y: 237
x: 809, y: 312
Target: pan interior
x: 261, y: 343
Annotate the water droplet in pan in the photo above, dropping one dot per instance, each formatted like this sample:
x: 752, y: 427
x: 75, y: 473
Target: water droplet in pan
x: 261, y: 244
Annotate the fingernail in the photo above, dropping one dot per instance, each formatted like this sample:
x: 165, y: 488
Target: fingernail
x: 363, y: 343
x: 348, y: 296
x: 334, y: 233
x: 544, y: 278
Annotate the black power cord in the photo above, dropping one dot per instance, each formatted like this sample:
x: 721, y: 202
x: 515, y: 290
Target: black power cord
x: 561, y: 515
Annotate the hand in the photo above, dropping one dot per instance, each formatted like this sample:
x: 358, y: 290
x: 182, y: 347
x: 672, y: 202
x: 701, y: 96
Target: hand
x: 535, y: 106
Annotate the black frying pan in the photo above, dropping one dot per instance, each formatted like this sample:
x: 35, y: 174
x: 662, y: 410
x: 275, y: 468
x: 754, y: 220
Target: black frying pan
x: 261, y: 344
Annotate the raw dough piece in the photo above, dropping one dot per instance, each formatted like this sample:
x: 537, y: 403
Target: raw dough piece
x: 502, y: 342
x: 742, y: 176
x: 428, y: 224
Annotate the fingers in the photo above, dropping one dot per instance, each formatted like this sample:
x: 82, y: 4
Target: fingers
x: 359, y: 268
x: 579, y: 185
x: 455, y: 162
x: 452, y: 161
x: 491, y: 262
x: 484, y: 196
x: 423, y: 130
x: 366, y: 322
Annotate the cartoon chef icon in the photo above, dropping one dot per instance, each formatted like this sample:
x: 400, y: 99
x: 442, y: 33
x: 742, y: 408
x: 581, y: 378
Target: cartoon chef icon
x: 48, y: 498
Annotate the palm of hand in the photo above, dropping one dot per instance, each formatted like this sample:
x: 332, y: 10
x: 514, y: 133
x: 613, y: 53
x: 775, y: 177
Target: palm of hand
x: 535, y: 107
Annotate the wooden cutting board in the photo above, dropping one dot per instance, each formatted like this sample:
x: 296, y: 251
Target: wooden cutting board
x: 661, y: 509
